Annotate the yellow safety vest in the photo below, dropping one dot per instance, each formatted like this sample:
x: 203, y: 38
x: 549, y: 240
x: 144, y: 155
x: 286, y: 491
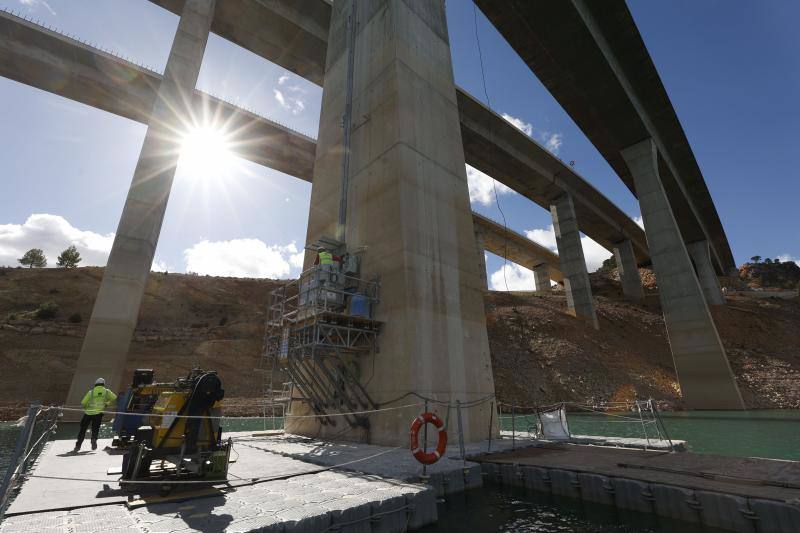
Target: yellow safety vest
x: 325, y: 258
x: 96, y: 399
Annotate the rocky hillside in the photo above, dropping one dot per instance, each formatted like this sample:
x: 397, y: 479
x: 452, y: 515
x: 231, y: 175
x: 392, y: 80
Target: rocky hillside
x: 185, y: 320
x: 540, y: 354
x: 771, y: 275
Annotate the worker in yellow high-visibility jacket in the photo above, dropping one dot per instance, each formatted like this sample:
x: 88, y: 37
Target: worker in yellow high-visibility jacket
x: 94, y: 403
x: 324, y: 256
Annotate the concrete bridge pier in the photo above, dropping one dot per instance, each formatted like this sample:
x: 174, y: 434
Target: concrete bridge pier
x: 628, y: 270
x: 480, y: 244
x: 541, y: 277
x: 704, y: 372
x: 573, y: 264
x: 116, y: 309
x: 408, y: 210
x: 700, y: 254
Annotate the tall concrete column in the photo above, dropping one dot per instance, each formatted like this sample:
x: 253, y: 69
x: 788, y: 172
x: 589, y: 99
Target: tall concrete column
x: 628, y: 270
x: 704, y: 373
x: 701, y: 257
x: 116, y: 309
x: 480, y: 245
x: 573, y: 263
x: 541, y: 278
x: 408, y: 210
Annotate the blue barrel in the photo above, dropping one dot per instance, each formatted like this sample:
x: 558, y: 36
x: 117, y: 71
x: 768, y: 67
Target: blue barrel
x: 359, y: 306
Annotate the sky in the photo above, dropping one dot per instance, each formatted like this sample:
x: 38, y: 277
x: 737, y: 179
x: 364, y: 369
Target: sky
x: 730, y: 68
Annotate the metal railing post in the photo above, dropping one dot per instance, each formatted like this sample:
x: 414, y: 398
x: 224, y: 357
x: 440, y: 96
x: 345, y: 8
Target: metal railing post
x: 644, y: 429
x: 20, y: 451
x: 425, y: 442
x: 657, y: 415
x: 461, y: 434
x: 513, y: 427
x: 491, y: 416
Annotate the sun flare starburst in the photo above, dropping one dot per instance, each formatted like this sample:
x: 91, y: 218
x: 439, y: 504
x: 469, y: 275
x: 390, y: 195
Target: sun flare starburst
x: 206, y: 154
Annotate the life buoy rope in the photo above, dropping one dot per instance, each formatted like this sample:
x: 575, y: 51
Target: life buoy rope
x: 417, y: 424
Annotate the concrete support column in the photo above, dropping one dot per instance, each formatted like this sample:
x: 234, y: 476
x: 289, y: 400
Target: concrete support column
x: 701, y: 257
x: 408, y: 210
x: 704, y: 373
x: 628, y: 270
x: 573, y: 263
x: 116, y: 309
x: 541, y: 277
x: 480, y: 244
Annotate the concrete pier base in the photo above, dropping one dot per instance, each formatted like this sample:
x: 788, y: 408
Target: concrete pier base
x: 702, y: 366
x: 116, y: 309
x: 408, y: 212
x: 573, y: 263
x: 701, y: 257
x: 541, y: 278
x: 629, y: 276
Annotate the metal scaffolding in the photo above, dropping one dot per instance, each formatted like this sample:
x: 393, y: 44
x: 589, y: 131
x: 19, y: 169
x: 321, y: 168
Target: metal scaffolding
x: 318, y: 328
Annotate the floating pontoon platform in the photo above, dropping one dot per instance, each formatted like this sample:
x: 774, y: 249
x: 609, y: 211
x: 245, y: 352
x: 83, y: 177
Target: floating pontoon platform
x: 292, y: 483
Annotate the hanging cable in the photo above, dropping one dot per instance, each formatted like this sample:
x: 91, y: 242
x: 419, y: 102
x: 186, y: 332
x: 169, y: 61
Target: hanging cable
x: 347, y: 121
x: 494, y: 182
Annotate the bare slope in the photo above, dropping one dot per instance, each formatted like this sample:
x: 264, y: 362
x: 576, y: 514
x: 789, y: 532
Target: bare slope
x: 540, y: 354
x: 185, y: 320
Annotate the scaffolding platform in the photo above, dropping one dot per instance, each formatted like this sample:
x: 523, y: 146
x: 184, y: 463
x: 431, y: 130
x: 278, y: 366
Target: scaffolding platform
x: 318, y: 328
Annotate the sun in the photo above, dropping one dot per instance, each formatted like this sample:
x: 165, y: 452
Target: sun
x: 206, y: 154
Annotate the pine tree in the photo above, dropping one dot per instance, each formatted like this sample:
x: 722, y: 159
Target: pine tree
x: 69, y: 258
x: 33, y: 258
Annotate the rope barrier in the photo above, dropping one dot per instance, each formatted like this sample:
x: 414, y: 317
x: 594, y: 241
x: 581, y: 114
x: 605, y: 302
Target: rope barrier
x: 223, y: 417
x: 471, y: 403
x: 250, y: 481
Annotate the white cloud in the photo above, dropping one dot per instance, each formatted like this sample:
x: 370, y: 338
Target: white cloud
x: 33, y: 4
x: 482, y: 187
x: 545, y: 237
x: 279, y: 97
x: 291, y: 97
x: 516, y: 278
x: 52, y: 233
x: 250, y: 258
x: 785, y: 258
x: 639, y: 221
x: 160, y: 266
x: 521, y: 125
x: 593, y: 253
x: 552, y: 141
x: 296, y: 260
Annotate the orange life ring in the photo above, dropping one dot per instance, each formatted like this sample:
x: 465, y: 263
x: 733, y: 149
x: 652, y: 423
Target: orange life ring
x: 430, y: 457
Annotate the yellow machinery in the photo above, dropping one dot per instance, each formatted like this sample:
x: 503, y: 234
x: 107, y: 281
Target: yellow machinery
x: 180, y: 436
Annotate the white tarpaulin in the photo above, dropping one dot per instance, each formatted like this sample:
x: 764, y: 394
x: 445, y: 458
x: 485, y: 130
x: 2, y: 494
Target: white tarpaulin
x: 554, y: 424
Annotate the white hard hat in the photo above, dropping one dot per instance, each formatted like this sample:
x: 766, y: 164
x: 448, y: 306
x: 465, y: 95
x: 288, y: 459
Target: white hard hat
x: 100, y: 381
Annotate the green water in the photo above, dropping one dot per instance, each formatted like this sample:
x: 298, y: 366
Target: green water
x: 769, y: 433
x: 517, y: 510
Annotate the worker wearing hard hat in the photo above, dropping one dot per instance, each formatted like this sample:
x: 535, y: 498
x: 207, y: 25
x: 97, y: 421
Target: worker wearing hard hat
x: 324, y: 257
x: 94, y: 403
